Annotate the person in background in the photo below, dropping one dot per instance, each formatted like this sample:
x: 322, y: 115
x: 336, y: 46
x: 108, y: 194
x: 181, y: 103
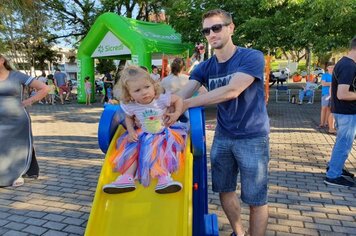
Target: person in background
x: 108, y: 84
x: 282, y: 78
x: 87, y: 90
x: 197, y: 57
x: 60, y: 80
x: 234, y: 76
x: 307, y: 91
x: 15, y: 122
x: 154, y: 75
x: 343, y: 106
x: 326, y: 117
x: 52, y: 90
x: 168, y: 70
x: 176, y: 80
x: 43, y: 79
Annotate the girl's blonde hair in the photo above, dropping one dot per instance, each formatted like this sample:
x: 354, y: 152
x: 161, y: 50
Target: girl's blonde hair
x: 132, y: 73
x: 7, y: 63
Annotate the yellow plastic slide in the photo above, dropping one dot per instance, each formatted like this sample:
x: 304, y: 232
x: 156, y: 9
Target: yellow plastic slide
x: 142, y: 212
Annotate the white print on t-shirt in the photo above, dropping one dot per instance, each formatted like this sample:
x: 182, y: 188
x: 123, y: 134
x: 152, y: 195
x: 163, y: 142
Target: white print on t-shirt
x: 220, y: 81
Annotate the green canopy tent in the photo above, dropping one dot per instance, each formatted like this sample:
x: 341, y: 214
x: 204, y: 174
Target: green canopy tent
x: 117, y: 37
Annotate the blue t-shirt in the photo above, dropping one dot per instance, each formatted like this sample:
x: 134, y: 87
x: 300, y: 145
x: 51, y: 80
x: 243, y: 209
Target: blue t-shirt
x: 60, y: 78
x: 245, y: 116
x: 344, y: 73
x: 325, y: 89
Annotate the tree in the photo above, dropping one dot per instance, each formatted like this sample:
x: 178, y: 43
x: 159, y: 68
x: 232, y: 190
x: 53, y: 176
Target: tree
x: 105, y: 65
x: 73, y: 18
x: 142, y: 8
x: 293, y: 26
x: 24, y: 32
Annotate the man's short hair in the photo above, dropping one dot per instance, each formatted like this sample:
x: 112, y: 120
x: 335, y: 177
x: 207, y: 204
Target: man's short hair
x: 353, y: 43
x: 330, y: 63
x: 226, y: 16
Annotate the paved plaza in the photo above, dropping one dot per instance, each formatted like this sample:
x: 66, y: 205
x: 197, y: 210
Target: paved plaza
x: 59, y: 202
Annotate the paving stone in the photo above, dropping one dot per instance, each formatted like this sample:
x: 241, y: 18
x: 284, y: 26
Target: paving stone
x: 343, y: 229
x: 73, y: 221
x: 15, y: 226
x: 318, y: 226
x: 34, y: 230
x: 3, y: 222
x: 304, y: 231
x: 55, y: 225
x: 74, y: 229
x: 54, y: 217
x: 54, y: 233
x: 34, y: 221
x: 15, y: 233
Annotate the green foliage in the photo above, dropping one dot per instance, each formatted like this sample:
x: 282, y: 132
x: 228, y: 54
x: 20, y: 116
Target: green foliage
x: 268, y: 25
x: 24, y: 33
x: 105, y: 65
x: 72, y: 19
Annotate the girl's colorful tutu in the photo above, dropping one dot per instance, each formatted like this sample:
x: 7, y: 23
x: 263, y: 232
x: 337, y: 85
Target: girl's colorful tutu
x: 157, y: 154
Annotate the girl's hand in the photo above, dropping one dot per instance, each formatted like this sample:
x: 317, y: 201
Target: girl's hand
x: 170, y: 118
x: 133, y: 137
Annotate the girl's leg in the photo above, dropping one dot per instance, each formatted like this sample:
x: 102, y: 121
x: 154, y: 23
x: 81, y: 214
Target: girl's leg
x: 132, y: 169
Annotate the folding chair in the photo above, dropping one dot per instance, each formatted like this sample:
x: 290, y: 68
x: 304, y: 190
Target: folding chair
x: 280, y: 90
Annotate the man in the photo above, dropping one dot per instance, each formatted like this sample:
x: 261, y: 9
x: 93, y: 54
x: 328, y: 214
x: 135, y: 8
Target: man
x: 343, y: 106
x: 282, y: 78
x: 60, y: 80
x: 234, y: 77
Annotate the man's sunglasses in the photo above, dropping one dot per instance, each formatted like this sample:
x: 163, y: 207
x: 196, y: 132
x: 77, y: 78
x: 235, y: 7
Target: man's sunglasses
x: 215, y: 28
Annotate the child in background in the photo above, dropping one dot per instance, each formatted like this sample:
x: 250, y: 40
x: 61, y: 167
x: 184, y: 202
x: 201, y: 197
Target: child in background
x: 153, y: 151
x: 87, y: 90
x: 33, y: 92
x: 52, y: 89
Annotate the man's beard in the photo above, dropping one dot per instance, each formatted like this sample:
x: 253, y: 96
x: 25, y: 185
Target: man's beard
x: 220, y: 45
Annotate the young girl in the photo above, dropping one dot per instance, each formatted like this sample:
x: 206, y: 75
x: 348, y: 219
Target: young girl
x: 153, y: 151
x: 52, y: 89
x: 87, y: 90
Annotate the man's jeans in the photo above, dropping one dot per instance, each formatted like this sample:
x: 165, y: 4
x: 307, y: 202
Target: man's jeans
x: 346, y: 131
x: 307, y: 93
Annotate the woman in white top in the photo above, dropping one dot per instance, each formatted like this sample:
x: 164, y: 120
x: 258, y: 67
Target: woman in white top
x: 176, y: 80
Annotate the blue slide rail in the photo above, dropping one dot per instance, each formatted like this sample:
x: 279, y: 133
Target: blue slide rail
x: 201, y: 217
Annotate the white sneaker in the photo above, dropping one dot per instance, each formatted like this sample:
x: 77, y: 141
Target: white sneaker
x: 167, y: 185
